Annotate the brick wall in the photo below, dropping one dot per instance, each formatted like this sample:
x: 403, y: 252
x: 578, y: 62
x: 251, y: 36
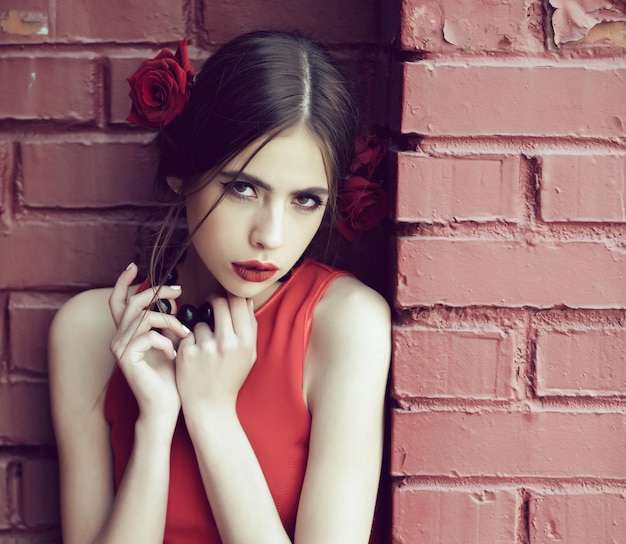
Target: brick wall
x: 508, y: 388
x: 75, y: 180
x: 509, y: 371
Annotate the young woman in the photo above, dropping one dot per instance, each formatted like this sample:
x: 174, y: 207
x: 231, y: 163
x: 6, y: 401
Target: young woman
x: 264, y: 421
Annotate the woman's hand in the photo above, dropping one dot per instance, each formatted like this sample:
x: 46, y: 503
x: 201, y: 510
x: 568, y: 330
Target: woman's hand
x: 211, y: 366
x: 145, y: 355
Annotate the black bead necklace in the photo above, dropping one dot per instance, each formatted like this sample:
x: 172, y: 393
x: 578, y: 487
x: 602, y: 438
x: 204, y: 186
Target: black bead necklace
x: 187, y: 314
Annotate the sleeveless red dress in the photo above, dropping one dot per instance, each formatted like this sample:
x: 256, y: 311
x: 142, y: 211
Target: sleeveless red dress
x: 270, y: 407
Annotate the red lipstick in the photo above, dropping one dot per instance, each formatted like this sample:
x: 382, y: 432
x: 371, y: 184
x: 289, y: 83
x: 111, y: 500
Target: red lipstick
x: 254, y: 271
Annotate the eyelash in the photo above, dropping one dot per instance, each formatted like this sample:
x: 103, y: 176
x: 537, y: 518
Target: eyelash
x: 231, y: 188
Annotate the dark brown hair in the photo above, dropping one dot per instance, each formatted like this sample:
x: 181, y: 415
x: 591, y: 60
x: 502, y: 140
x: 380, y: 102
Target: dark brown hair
x: 255, y: 86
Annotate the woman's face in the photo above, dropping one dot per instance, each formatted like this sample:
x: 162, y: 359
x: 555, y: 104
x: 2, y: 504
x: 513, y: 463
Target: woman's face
x: 267, y: 218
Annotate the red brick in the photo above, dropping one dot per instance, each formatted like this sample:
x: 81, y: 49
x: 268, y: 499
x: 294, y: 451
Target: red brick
x: 496, y: 99
x: 120, y: 21
x: 7, y: 169
x: 86, y: 174
x: 583, y: 188
x: 426, y: 515
x: 538, y: 273
x: 4, y: 343
x: 30, y: 315
x: 439, y: 190
x: 25, y: 414
x: 77, y: 254
x: 26, y: 21
x: 47, y: 87
x: 5, y: 490
x: 346, y: 22
x: 575, y: 362
x: 40, y: 493
x: 443, y: 363
x: 509, y: 444
x: 578, y: 518
x: 478, y: 25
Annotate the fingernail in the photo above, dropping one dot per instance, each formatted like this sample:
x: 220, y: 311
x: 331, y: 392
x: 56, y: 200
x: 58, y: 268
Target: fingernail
x: 175, y: 354
x: 128, y: 267
x: 175, y: 287
x: 186, y: 330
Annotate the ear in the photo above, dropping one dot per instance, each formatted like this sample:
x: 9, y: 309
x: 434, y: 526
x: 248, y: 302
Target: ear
x: 175, y: 184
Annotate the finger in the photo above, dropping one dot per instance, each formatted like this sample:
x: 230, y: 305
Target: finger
x: 147, y: 321
x: 143, y: 299
x: 240, y: 315
x: 189, y: 340
x: 117, y: 300
x: 137, y: 303
x: 252, y: 315
x: 135, y: 351
x: 202, y: 332
x: 222, y: 317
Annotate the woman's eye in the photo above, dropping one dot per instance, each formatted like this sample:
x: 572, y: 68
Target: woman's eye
x: 308, y: 202
x: 241, y: 188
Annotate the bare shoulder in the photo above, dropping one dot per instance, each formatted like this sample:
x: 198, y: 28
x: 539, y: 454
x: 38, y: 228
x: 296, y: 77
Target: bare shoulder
x: 350, y: 340
x: 348, y: 295
x: 80, y: 361
x: 83, y: 321
x: 351, y: 310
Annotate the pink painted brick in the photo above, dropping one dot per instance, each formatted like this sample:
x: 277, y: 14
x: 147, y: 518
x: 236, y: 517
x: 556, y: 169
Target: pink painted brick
x: 452, y: 363
x: 578, y: 518
x: 508, y: 444
x: 84, y: 253
x: 449, y: 25
x: 346, y: 22
x: 30, y: 315
x: 95, y: 172
x: 575, y: 362
x: 120, y: 21
x: 583, y: 188
x: 426, y: 515
x: 49, y: 87
x: 496, y: 99
x: 40, y: 493
x: 25, y: 414
x: 440, y: 190
x: 540, y: 273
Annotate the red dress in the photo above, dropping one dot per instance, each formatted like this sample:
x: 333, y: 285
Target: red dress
x: 270, y: 407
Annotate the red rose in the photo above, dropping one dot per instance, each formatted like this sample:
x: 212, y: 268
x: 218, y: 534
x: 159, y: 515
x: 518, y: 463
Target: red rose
x: 369, y: 151
x: 160, y: 88
x: 363, y: 205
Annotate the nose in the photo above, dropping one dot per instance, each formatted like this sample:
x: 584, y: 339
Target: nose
x: 268, y: 229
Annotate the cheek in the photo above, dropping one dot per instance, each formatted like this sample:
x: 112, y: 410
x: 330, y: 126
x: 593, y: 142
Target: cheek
x: 302, y: 232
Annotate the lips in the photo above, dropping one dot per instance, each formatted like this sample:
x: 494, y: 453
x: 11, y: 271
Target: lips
x: 254, y: 271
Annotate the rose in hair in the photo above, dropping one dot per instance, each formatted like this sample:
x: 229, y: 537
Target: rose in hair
x: 369, y: 151
x: 363, y: 205
x: 160, y: 88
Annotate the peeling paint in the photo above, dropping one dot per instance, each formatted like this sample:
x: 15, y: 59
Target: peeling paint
x: 574, y: 21
x: 614, y: 32
x: 457, y: 32
x: 24, y: 23
x: 31, y: 83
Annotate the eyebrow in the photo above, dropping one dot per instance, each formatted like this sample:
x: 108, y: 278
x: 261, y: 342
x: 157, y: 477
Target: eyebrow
x: 249, y: 178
